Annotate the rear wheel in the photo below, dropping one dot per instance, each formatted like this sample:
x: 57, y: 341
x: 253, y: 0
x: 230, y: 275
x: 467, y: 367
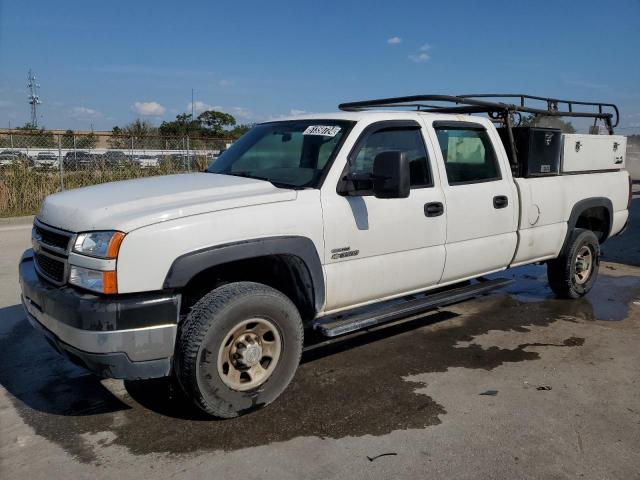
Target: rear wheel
x: 239, y: 348
x: 573, y: 274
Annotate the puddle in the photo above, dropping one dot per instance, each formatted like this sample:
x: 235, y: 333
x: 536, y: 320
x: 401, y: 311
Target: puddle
x: 608, y: 300
x: 353, y: 388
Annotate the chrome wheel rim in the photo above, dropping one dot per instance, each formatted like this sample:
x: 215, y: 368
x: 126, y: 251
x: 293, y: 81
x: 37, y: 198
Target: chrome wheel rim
x: 583, y: 265
x: 249, y: 354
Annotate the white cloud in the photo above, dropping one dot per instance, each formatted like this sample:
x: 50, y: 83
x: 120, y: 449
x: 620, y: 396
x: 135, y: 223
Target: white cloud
x: 149, y: 109
x: 242, y: 112
x: 226, y: 83
x: 199, y: 107
x: 84, y: 112
x: 394, y: 41
x: 422, y: 56
x: 295, y: 111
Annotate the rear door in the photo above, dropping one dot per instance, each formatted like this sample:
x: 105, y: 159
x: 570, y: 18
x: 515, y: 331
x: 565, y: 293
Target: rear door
x: 481, y: 199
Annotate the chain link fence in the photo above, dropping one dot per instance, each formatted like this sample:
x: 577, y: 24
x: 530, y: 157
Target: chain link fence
x: 36, y: 164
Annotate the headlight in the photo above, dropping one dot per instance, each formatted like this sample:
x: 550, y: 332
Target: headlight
x: 99, y: 244
x: 94, y: 280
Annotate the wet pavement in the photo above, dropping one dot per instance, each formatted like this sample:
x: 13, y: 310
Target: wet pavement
x: 513, y: 384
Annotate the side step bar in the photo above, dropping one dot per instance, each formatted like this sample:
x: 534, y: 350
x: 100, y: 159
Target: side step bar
x: 345, y: 323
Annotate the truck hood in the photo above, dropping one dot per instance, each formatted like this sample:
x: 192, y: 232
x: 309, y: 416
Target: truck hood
x: 132, y: 204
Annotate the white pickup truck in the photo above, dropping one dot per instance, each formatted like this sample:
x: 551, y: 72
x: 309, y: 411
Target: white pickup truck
x: 324, y: 223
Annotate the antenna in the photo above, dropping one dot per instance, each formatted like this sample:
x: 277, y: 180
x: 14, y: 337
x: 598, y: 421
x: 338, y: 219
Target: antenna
x: 34, y: 99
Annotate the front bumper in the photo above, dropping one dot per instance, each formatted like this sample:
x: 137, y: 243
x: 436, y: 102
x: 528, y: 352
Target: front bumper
x: 123, y: 336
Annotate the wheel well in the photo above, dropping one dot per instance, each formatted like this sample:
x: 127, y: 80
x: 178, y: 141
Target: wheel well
x: 597, y: 220
x: 286, y: 273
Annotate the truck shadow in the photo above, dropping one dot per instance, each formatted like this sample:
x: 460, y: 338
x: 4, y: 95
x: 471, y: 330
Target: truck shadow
x: 164, y: 396
x: 625, y: 248
x: 43, y: 380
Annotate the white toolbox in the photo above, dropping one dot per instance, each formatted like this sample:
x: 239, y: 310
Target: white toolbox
x: 585, y: 153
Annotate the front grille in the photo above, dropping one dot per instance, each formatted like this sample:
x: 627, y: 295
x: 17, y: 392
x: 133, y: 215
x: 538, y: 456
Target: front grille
x: 51, y: 247
x: 50, y: 267
x: 51, y: 238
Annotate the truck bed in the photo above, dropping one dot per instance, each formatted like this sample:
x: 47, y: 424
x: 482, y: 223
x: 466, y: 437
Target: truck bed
x: 546, y: 204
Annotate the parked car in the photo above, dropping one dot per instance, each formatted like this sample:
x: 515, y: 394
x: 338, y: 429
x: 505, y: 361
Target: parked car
x: 215, y: 277
x: 10, y: 158
x: 116, y: 158
x: 78, y: 160
x: 46, y: 160
x: 147, y: 161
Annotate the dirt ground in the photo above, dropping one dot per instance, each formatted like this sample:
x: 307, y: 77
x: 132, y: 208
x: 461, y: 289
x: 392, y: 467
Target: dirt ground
x: 515, y: 384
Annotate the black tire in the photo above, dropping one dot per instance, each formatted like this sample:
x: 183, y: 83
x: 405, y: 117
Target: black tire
x: 561, y: 272
x: 207, y: 326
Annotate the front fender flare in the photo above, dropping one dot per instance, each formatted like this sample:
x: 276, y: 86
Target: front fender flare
x: 185, y: 267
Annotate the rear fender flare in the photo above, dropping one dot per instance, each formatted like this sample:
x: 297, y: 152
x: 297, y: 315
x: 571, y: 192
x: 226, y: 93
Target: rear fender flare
x: 578, y: 209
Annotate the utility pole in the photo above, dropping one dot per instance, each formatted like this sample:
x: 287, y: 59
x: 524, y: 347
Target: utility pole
x: 34, y: 99
x: 192, y: 106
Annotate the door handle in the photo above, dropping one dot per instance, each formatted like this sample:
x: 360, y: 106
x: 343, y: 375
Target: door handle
x: 500, y: 201
x: 433, y: 209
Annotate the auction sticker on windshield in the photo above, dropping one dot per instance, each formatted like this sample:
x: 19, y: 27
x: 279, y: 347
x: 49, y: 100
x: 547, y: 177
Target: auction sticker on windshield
x: 324, y: 130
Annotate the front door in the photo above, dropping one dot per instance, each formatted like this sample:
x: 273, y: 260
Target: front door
x: 380, y: 248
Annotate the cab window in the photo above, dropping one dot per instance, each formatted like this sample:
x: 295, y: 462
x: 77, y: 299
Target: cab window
x: 402, y: 139
x: 468, y: 154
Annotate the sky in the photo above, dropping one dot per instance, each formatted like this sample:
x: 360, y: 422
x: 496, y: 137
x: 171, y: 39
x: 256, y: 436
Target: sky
x: 102, y: 64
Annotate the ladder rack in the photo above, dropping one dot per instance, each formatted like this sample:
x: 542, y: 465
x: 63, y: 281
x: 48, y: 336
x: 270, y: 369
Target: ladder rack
x: 497, y: 110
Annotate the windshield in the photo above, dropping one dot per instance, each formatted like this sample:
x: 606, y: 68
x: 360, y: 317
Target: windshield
x: 289, y: 154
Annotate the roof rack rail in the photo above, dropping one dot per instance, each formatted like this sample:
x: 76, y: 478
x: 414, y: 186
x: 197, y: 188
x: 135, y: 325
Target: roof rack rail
x: 497, y: 110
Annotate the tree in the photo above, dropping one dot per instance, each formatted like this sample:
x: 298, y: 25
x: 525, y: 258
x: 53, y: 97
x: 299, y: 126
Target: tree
x: 66, y: 141
x: 140, y: 129
x: 216, y: 121
x: 240, y: 130
x: 182, y: 126
x: 118, y: 138
x: 121, y: 137
x: 548, y: 122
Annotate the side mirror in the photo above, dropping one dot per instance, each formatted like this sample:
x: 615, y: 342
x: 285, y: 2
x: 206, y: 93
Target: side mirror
x: 391, y: 177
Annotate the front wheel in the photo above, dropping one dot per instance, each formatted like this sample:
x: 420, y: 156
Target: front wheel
x: 239, y: 348
x: 573, y: 274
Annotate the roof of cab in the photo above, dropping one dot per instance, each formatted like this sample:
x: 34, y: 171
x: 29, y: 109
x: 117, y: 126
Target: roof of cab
x: 372, y: 115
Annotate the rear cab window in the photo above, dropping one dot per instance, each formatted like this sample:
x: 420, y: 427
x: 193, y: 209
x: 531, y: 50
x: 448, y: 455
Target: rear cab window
x: 467, y: 152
